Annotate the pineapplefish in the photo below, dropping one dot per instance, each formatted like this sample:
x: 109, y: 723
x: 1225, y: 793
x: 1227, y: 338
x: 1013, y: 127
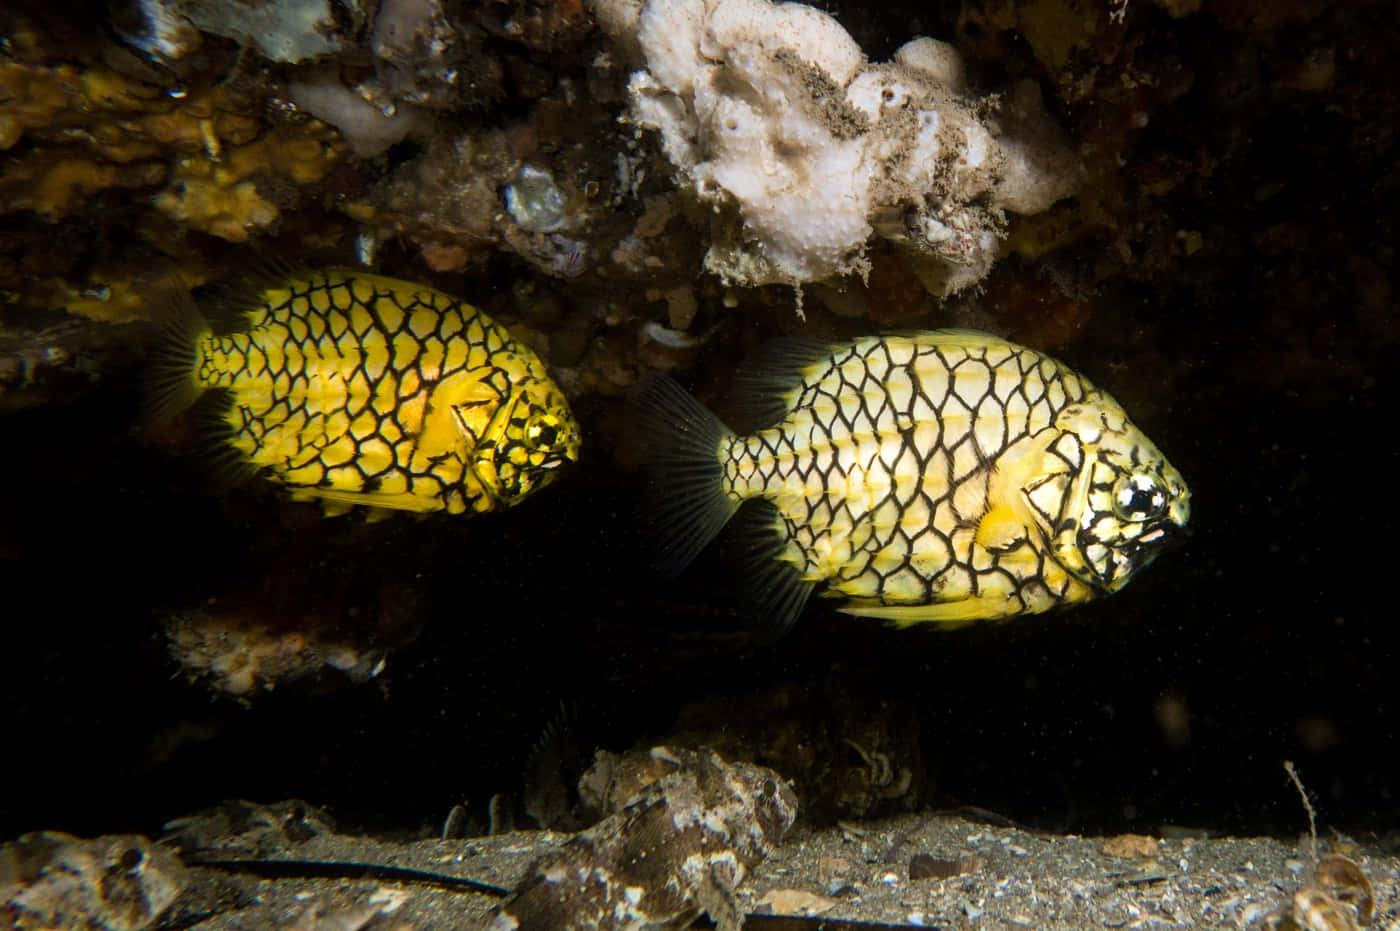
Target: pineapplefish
x: 946, y: 477
x: 356, y: 389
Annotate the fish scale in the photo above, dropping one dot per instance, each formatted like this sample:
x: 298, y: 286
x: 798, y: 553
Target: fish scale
x: 938, y: 476
x: 357, y: 389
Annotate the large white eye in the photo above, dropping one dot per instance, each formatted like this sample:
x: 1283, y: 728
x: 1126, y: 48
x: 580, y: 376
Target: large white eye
x: 1138, y: 497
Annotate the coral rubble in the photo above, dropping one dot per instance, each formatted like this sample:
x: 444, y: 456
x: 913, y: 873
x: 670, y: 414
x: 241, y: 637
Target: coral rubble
x: 111, y: 883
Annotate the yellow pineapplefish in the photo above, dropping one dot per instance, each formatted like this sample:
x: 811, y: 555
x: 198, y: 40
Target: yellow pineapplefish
x: 945, y: 477
x: 357, y: 389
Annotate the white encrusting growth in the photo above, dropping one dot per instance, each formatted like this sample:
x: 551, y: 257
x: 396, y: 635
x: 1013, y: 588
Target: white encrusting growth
x: 772, y: 114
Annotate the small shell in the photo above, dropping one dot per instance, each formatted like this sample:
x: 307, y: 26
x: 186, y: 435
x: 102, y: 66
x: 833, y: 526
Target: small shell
x: 1347, y: 883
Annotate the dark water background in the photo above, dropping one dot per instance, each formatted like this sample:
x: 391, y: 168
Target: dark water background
x: 1277, y: 617
x: 1263, y: 366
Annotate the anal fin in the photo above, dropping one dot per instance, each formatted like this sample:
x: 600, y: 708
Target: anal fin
x: 949, y: 615
x: 776, y: 591
x: 1000, y: 529
x: 336, y: 502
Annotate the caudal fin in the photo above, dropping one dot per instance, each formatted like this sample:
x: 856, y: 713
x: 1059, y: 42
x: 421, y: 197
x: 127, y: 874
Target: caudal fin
x: 688, y: 503
x: 172, y: 384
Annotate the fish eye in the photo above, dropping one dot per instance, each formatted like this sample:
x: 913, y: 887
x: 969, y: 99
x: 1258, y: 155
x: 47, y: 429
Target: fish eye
x: 1139, y: 497
x: 543, y: 435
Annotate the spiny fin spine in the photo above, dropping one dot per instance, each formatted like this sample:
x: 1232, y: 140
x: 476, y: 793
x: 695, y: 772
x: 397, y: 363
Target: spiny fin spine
x: 947, y: 616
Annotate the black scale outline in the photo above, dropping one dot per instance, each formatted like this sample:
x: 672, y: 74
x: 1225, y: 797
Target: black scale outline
x: 742, y: 457
x: 341, y: 299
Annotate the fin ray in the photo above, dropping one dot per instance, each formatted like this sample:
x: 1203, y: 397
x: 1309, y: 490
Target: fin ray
x: 949, y: 615
x: 687, y: 501
x: 336, y: 502
x: 764, y: 384
x: 172, y: 382
x: 950, y: 336
x: 174, y: 391
x: 776, y: 592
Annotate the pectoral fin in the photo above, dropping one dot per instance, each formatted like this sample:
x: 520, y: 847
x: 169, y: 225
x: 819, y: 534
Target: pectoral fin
x: 1000, y: 529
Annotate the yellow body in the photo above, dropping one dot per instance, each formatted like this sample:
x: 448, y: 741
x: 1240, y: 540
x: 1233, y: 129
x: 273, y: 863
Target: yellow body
x: 363, y: 390
x: 946, y: 477
x: 952, y: 476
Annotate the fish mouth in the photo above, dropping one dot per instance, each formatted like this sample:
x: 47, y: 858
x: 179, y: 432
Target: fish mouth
x: 1166, y: 535
x: 1160, y: 539
x: 1153, y: 536
x: 1126, y: 557
x: 554, y: 462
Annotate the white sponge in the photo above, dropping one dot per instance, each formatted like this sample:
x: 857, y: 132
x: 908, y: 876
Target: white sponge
x: 771, y: 113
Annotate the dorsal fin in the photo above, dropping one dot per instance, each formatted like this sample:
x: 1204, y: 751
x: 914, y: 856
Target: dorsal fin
x: 766, y: 384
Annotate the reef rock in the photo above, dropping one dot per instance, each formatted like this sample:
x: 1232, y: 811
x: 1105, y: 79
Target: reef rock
x: 772, y: 114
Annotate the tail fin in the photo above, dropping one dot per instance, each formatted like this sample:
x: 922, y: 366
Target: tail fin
x: 690, y: 505
x: 173, y: 383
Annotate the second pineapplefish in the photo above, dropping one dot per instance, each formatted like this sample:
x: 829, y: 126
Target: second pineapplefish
x: 357, y: 389
x: 944, y: 477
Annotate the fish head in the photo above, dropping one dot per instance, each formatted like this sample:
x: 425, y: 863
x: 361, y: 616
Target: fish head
x: 531, y: 436
x: 1108, y: 500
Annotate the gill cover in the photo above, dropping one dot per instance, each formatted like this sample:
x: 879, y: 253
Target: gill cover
x: 530, y: 436
x: 1106, y: 499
